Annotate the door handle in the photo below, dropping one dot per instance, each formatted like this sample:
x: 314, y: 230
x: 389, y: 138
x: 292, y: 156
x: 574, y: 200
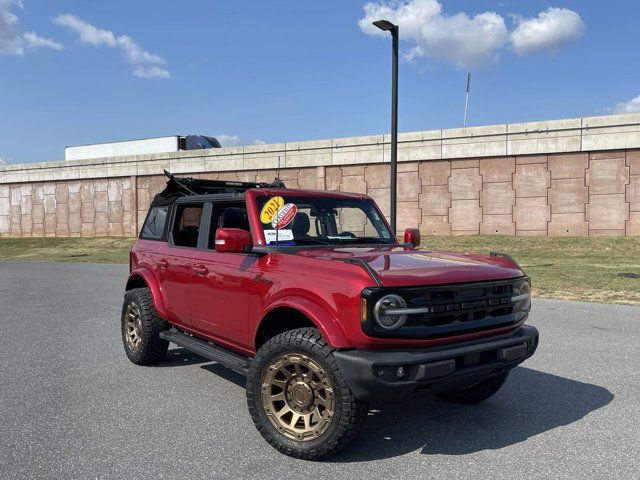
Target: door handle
x: 162, y: 263
x: 200, y: 270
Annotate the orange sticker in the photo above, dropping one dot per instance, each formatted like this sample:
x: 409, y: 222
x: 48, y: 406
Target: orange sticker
x: 271, y: 208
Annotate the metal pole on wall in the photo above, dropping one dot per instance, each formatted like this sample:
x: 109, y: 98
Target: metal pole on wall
x: 466, y: 101
x: 390, y: 27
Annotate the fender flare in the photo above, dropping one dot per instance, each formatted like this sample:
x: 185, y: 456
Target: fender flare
x: 154, y: 287
x: 323, y: 319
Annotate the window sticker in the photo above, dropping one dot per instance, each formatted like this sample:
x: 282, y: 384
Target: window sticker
x: 283, y: 236
x: 271, y: 208
x: 284, y: 216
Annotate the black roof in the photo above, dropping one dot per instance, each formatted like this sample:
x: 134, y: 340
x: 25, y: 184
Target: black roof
x: 178, y: 187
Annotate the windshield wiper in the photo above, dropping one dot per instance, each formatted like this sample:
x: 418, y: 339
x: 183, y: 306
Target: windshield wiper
x: 310, y: 241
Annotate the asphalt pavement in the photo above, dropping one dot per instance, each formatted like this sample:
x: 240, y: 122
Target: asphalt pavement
x: 73, y: 406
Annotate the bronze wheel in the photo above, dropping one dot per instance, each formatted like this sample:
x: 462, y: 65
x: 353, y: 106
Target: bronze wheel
x: 298, y: 397
x: 133, y: 326
x: 140, y: 327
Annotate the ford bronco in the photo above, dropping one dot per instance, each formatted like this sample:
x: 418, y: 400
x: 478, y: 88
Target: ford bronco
x: 310, y: 296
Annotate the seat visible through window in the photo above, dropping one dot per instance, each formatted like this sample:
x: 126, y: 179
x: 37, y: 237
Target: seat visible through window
x: 188, y: 226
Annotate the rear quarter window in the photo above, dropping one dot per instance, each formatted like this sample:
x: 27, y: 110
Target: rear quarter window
x: 154, y: 225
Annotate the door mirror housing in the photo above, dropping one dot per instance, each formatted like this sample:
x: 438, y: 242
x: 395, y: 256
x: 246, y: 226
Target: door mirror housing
x: 233, y: 240
x: 412, y: 236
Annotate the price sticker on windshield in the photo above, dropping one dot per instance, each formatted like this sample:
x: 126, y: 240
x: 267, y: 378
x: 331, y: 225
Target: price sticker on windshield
x: 284, y: 216
x: 271, y: 208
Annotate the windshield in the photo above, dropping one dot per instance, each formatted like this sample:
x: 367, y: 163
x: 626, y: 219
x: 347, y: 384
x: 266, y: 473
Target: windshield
x: 296, y: 221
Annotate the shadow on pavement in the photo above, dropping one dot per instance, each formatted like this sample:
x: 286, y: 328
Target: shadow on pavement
x: 530, y: 403
x: 225, y: 373
x: 177, y: 357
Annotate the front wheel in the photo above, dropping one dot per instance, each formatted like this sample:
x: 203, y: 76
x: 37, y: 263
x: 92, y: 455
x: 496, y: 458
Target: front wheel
x: 476, y: 393
x: 298, y: 398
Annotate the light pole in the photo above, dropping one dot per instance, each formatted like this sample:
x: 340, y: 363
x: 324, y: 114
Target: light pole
x: 387, y: 26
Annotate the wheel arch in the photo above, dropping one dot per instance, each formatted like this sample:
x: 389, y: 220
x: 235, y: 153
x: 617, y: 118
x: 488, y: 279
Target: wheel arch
x: 144, y: 278
x: 291, y: 313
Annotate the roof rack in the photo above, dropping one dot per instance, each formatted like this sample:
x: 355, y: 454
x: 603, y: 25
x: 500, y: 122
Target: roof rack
x: 185, y: 186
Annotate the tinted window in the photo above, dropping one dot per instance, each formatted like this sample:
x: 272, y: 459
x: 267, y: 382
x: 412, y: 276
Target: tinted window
x: 153, y: 228
x: 187, y: 225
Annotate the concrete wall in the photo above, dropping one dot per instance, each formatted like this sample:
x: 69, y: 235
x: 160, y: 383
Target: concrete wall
x: 566, y: 177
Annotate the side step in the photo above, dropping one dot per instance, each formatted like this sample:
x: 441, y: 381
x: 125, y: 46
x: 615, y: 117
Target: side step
x: 224, y: 357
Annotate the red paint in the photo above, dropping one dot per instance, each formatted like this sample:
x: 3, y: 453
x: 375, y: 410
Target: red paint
x: 232, y: 240
x: 223, y: 296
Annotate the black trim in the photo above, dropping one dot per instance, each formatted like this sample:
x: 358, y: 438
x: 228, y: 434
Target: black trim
x: 178, y: 187
x: 297, y: 248
x: 229, y: 359
x: 506, y: 256
x: 366, y: 267
x: 371, y: 374
x: 456, y: 309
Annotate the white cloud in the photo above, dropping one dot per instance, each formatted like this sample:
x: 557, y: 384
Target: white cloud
x: 151, y: 72
x: 146, y: 64
x: 4, y: 159
x: 632, y: 106
x: 10, y: 40
x: 228, y: 140
x: 35, y: 41
x: 469, y: 41
x: 235, y: 141
x: 549, y: 31
x: 460, y: 39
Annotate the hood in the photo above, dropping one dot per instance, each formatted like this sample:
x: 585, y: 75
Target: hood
x: 397, y: 267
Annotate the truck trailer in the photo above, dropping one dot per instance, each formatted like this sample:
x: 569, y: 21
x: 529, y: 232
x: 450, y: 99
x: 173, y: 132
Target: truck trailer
x: 172, y: 143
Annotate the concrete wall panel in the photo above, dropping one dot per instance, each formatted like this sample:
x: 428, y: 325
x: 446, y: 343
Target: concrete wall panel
x: 531, y: 214
x: 568, y: 195
x: 497, y: 198
x: 607, y: 212
x: 607, y: 175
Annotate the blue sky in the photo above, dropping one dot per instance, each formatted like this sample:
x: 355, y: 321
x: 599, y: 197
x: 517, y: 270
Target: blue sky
x: 291, y: 70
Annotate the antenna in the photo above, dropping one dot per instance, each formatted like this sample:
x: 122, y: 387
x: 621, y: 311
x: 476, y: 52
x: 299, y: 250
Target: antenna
x: 466, y: 101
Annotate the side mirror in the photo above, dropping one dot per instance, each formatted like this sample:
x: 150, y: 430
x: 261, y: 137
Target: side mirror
x: 233, y: 240
x: 412, y: 236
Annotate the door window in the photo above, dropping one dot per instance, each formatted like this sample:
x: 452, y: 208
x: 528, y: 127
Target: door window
x: 187, y: 225
x: 153, y: 228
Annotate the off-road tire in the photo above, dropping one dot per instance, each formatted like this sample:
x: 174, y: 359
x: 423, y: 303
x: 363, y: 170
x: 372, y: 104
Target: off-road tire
x: 152, y: 348
x: 476, y: 393
x: 350, y: 413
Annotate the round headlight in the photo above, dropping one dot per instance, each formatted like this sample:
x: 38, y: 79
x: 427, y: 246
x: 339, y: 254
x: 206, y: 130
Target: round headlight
x: 522, y: 297
x: 390, y: 321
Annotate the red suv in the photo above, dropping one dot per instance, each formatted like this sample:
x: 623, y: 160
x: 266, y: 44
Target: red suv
x: 310, y: 295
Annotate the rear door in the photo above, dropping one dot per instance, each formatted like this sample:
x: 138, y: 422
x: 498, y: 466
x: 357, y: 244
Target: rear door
x: 221, y: 282
x: 175, y: 260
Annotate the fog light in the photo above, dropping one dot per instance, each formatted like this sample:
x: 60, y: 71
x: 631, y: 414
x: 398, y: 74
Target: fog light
x: 401, y: 372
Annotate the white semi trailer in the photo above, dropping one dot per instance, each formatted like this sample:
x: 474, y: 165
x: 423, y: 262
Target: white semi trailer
x: 172, y: 143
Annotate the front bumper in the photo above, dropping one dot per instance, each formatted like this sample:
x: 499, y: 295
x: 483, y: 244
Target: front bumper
x: 372, y: 375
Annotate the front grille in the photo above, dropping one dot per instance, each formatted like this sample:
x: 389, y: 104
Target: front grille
x: 452, y: 309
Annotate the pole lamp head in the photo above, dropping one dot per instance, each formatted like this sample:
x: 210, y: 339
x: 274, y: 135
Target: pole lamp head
x: 387, y: 26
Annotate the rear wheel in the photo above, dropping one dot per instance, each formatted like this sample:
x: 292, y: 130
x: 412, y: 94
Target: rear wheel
x: 476, y: 393
x: 298, y: 398
x: 141, y: 328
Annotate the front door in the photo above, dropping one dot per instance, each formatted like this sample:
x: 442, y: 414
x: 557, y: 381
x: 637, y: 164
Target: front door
x: 221, y: 282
